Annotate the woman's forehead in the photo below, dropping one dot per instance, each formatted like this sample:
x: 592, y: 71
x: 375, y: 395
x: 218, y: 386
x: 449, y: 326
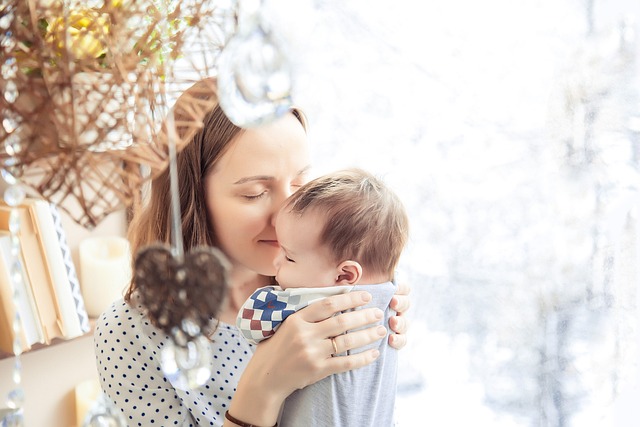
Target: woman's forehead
x: 278, y: 147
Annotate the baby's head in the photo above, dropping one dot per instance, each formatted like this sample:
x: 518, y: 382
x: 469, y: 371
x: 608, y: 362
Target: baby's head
x: 342, y: 228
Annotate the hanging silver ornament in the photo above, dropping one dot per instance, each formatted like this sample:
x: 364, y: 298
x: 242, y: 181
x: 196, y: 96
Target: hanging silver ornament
x: 103, y: 414
x: 254, y: 74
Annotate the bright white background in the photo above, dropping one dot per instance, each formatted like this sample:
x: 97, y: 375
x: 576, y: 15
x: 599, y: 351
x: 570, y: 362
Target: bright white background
x: 510, y: 130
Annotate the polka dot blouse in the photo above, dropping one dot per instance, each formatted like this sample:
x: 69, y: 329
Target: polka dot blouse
x: 128, y: 359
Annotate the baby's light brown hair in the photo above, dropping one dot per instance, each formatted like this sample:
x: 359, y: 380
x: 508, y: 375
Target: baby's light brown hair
x: 365, y: 221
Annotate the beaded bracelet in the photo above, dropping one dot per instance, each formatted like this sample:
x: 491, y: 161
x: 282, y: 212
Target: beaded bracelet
x: 234, y: 420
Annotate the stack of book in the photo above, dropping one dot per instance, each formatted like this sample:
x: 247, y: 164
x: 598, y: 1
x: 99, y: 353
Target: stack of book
x: 48, y: 297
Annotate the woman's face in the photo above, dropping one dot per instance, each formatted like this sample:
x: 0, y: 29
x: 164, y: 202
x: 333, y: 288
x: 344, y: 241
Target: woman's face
x: 247, y: 186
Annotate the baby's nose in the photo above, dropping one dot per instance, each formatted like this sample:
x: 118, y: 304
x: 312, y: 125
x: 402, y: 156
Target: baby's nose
x: 277, y: 261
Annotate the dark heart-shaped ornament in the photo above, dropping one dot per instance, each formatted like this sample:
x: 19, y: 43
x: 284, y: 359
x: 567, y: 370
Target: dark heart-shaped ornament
x: 182, y: 298
x: 173, y: 291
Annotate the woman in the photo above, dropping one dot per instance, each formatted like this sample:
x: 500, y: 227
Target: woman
x: 231, y: 183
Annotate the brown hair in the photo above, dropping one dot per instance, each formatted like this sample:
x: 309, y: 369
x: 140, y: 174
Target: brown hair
x: 152, y: 223
x: 365, y: 221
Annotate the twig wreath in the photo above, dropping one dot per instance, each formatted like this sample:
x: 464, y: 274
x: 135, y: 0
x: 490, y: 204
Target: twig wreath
x: 83, y: 119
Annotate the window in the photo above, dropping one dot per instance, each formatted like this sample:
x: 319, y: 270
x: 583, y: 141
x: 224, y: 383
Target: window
x: 511, y: 130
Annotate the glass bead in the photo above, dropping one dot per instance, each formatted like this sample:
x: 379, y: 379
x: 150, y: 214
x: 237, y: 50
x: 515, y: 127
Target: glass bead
x: 13, y: 418
x: 15, y: 243
x: 13, y: 145
x: 10, y: 162
x: 10, y: 91
x: 102, y: 420
x: 103, y: 414
x: 14, y: 195
x: 179, y: 337
x: 15, y: 399
x: 16, y: 275
x: 8, y: 43
x: 181, y: 274
x: 190, y: 327
x: 9, y: 69
x: 17, y: 351
x: 8, y: 177
x: 10, y: 124
x: 17, y: 348
x: 5, y: 21
x: 187, y: 367
x: 14, y: 222
x: 254, y: 78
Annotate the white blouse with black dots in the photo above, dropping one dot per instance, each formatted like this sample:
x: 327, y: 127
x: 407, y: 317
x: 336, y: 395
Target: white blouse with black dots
x: 128, y: 360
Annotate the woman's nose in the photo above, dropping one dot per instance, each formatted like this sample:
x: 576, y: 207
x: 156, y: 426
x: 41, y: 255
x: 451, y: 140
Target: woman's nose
x: 278, y: 201
x: 286, y: 192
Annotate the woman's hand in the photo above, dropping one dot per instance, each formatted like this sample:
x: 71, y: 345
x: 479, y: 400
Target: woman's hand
x: 300, y: 353
x: 398, y: 323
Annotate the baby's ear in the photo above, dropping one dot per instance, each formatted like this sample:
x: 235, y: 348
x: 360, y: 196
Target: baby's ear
x: 349, y: 273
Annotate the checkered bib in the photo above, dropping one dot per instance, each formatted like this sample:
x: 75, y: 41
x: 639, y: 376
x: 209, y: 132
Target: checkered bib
x: 267, y: 308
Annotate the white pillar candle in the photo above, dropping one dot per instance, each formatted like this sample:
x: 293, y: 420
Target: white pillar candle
x: 105, y: 271
x: 86, y: 395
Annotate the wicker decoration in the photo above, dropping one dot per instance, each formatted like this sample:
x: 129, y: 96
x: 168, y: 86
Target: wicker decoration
x: 83, y: 115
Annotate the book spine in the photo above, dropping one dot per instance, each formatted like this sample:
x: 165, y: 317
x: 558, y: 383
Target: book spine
x: 55, y: 262
x: 70, y: 268
x: 37, y: 271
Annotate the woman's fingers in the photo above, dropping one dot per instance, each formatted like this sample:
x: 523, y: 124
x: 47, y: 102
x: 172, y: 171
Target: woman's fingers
x: 300, y: 352
x: 401, y: 301
x: 348, y: 321
x: 336, y: 365
x: 399, y: 324
x: 357, y: 339
x: 397, y: 341
x: 329, y: 306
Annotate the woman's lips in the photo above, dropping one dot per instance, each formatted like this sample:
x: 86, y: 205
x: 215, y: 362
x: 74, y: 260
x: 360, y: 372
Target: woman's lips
x: 273, y: 243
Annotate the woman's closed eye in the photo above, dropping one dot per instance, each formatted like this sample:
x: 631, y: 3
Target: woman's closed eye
x: 288, y: 259
x: 254, y: 196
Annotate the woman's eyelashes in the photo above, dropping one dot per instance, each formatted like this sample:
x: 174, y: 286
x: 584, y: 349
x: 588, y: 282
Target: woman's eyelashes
x: 254, y: 196
x: 257, y: 195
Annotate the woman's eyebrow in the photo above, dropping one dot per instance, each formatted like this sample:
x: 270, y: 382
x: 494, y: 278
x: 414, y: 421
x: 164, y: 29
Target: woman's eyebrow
x: 254, y: 178
x: 268, y: 177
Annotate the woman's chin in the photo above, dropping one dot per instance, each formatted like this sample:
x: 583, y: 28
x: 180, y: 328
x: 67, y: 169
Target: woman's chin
x: 265, y: 269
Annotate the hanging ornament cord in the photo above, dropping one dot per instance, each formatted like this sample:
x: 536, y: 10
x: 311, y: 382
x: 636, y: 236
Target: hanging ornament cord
x: 177, y: 246
x: 13, y: 414
x: 185, y: 359
x: 181, y: 291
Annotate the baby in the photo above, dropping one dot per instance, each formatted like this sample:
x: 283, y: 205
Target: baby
x: 341, y: 232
